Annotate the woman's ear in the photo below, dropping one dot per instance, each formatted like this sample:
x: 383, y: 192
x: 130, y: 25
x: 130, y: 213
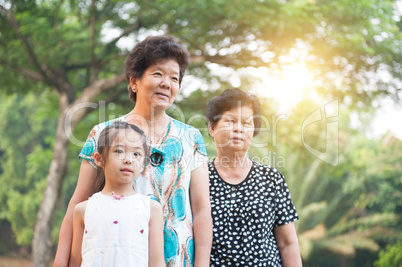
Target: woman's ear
x: 210, y: 129
x: 133, y: 84
x: 98, y: 160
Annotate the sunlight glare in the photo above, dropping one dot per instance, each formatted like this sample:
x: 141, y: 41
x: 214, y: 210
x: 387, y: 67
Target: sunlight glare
x: 288, y: 86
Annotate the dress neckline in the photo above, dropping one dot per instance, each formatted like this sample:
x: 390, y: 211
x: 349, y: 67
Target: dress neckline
x: 230, y: 184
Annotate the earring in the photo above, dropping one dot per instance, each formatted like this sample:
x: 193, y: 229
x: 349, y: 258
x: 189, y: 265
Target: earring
x: 134, y: 89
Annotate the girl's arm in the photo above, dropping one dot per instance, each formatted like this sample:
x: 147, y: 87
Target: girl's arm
x: 78, y: 232
x: 288, y: 245
x: 155, y: 240
x: 83, y: 190
x: 202, y: 220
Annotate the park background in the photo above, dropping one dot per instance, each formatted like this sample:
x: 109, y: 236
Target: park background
x: 324, y: 70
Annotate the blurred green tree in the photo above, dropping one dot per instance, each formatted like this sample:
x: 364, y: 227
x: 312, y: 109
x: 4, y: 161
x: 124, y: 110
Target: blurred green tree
x: 353, y: 206
x: 390, y: 257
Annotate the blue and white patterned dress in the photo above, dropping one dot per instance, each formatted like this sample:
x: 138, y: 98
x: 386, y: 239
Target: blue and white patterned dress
x: 183, y: 150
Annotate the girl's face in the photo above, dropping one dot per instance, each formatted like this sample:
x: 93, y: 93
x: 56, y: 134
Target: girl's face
x: 125, y: 158
x: 158, y: 85
x: 234, y: 131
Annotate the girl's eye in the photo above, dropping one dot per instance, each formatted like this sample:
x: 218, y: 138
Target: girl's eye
x: 118, y: 151
x: 137, y: 154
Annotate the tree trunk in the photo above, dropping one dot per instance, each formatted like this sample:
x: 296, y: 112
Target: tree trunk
x: 41, y: 245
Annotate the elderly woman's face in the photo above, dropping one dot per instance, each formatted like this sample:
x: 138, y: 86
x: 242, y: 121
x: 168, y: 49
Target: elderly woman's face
x: 159, y: 84
x: 234, y: 130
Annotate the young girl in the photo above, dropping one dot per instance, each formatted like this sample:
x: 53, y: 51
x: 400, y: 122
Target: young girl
x: 117, y: 226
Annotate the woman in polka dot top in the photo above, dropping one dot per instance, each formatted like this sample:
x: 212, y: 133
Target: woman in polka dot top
x: 253, y: 214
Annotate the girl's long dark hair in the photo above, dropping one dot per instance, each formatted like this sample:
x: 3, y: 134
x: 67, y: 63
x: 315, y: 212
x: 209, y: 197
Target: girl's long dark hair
x: 106, y: 139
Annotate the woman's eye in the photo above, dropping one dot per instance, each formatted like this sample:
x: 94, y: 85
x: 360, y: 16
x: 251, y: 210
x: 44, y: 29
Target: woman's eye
x: 158, y: 74
x: 176, y: 79
x: 118, y: 151
x: 137, y: 154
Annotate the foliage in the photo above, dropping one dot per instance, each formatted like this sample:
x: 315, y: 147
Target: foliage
x: 344, y: 40
x: 343, y: 208
x: 26, y: 150
x: 53, y: 52
x: 390, y: 257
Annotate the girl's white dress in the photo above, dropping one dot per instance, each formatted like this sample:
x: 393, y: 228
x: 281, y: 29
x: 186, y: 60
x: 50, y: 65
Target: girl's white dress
x: 116, y: 231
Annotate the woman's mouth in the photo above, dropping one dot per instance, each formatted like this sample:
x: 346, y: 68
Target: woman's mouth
x: 162, y: 95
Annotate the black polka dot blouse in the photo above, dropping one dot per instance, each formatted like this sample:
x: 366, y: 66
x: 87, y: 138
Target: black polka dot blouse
x: 244, y: 216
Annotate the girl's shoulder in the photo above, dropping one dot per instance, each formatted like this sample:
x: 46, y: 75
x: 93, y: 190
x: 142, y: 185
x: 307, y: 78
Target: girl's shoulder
x: 79, y: 209
x: 155, y: 205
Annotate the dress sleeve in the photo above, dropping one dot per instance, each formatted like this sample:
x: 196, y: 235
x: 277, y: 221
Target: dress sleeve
x: 199, y: 151
x: 90, y: 146
x: 285, y: 212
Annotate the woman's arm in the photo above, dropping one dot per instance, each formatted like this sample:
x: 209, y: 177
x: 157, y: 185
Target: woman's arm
x: 202, y: 220
x: 155, y: 240
x: 288, y: 245
x: 83, y: 190
x: 78, y: 231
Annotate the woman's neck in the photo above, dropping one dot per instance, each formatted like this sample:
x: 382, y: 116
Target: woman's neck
x: 151, y: 116
x: 233, y: 160
x: 155, y: 124
x: 233, y: 168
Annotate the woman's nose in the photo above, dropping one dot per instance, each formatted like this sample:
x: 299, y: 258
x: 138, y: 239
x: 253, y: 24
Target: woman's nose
x: 238, y: 127
x: 165, y: 83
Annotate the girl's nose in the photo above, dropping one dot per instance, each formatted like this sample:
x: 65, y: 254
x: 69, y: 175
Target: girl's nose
x: 127, y: 160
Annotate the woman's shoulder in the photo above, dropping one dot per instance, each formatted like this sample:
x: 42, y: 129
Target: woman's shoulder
x: 183, y: 126
x: 211, y: 164
x: 188, y: 134
x: 99, y: 127
x: 267, y: 171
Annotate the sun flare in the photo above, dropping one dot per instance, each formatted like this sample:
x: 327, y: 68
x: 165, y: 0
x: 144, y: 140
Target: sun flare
x: 287, y: 85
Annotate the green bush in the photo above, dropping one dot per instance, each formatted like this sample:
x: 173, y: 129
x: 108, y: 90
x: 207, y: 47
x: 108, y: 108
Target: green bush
x: 390, y: 257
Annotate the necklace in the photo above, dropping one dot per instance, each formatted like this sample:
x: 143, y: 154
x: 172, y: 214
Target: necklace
x: 163, y: 135
x: 156, y: 158
x: 117, y: 197
x: 152, y: 138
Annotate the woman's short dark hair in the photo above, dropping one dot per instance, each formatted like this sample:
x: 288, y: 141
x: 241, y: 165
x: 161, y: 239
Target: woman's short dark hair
x: 231, y: 98
x: 149, y: 52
